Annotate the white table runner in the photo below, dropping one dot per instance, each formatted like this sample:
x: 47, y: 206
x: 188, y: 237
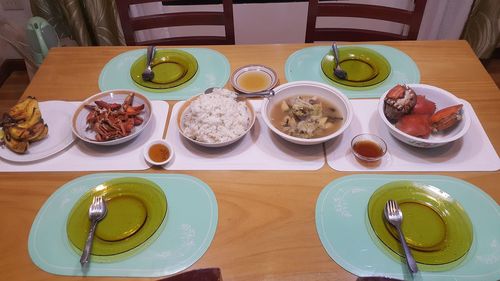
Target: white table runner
x: 474, y: 152
x: 260, y: 149
x: 81, y: 156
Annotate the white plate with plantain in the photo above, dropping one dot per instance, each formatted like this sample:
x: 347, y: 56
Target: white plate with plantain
x: 36, y: 130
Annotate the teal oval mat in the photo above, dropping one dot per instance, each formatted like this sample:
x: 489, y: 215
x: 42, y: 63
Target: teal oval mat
x: 213, y: 71
x: 185, y: 234
x: 345, y: 232
x: 305, y: 64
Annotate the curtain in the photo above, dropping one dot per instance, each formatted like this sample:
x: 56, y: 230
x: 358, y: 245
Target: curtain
x: 88, y: 22
x: 482, y: 30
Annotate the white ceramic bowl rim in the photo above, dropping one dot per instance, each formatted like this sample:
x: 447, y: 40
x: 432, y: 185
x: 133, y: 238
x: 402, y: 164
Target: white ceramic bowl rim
x: 337, y: 92
x: 466, y: 118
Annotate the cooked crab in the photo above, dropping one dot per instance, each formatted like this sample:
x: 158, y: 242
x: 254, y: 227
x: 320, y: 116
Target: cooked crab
x: 446, y: 118
x: 424, y: 106
x: 416, y: 125
x: 399, y: 101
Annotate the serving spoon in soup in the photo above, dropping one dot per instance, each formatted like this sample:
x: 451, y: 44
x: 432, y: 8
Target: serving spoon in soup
x: 263, y: 94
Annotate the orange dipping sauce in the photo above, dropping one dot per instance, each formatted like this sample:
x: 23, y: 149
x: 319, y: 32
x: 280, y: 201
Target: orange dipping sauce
x: 158, y: 152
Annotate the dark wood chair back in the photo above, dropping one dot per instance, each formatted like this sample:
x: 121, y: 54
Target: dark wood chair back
x: 410, y: 18
x: 173, y: 19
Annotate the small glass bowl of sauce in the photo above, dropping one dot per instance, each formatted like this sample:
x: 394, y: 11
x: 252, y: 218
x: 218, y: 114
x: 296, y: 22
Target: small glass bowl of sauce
x: 253, y: 78
x: 158, y: 152
x: 368, y: 147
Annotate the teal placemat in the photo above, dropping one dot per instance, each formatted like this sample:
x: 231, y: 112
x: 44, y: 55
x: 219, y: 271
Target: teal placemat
x: 187, y: 232
x: 344, y: 230
x: 213, y: 71
x: 305, y: 64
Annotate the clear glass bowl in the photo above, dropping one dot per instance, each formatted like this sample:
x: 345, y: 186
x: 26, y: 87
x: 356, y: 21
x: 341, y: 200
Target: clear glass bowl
x: 368, y: 147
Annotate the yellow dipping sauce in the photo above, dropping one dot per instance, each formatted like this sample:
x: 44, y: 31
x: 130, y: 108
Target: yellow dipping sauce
x: 254, y: 81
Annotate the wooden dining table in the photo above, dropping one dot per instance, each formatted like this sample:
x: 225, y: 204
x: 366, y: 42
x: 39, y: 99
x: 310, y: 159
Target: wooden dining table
x: 266, y: 228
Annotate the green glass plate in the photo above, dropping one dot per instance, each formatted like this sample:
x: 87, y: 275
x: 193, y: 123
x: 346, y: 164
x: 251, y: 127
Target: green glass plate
x: 136, y: 208
x: 436, y: 227
x: 182, y: 238
x: 364, y: 66
x: 171, y: 68
x: 213, y: 71
x: 305, y: 64
x: 345, y: 232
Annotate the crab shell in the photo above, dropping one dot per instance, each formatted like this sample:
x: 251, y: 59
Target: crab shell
x: 446, y: 117
x: 424, y: 106
x: 399, y: 101
x: 416, y: 125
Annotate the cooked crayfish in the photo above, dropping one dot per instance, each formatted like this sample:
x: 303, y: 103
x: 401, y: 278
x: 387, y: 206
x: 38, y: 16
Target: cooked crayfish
x: 112, y: 120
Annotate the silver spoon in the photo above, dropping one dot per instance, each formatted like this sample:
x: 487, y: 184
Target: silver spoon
x: 148, y: 74
x: 394, y: 216
x: 263, y: 94
x: 338, y: 71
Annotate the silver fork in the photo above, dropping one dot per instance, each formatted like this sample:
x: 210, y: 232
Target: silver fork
x: 97, y: 211
x: 148, y: 74
x: 394, y: 216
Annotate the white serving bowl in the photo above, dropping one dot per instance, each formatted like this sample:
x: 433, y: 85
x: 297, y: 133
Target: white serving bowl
x: 162, y: 142
x: 308, y: 88
x: 79, y: 119
x: 442, y: 99
x: 186, y: 105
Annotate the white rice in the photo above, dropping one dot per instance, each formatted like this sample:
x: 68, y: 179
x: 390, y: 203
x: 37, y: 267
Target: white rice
x: 216, y: 117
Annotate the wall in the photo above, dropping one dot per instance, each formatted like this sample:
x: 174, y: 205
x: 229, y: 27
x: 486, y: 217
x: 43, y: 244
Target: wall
x: 17, y: 18
x: 444, y: 19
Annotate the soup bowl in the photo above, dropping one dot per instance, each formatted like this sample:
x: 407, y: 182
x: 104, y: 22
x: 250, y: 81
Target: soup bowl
x: 326, y: 94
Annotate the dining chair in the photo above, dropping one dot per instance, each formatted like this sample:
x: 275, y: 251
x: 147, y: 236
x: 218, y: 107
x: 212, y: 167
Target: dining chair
x: 132, y: 24
x: 410, y: 18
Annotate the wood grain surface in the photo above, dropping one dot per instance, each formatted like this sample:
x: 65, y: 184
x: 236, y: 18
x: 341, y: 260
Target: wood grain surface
x: 266, y: 228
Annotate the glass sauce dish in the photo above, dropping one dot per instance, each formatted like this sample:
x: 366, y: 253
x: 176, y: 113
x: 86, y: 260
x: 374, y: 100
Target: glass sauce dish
x: 368, y: 147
